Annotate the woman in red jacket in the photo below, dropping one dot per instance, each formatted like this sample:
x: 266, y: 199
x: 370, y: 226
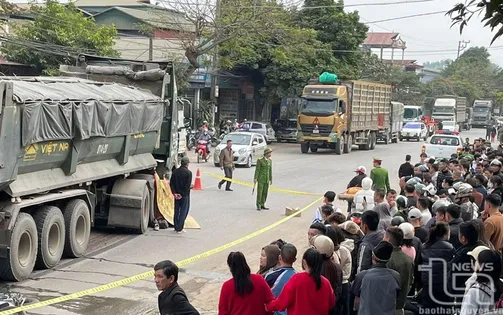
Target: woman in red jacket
x: 245, y: 293
x: 306, y: 293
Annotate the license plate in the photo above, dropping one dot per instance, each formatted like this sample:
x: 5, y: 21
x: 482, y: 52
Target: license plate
x: 316, y: 131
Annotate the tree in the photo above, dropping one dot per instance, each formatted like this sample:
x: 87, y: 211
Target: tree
x: 461, y: 14
x: 437, y: 65
x: 472, y: 75
x: 209, y: 26
x: 341, y: 30
x: 56, y: 36
x: 282, y: 60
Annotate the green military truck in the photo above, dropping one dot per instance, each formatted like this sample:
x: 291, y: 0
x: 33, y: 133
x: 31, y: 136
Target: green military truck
x: 77, y: 152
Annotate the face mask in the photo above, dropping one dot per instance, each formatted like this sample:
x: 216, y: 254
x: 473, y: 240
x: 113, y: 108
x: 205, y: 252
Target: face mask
x: 490, y: 185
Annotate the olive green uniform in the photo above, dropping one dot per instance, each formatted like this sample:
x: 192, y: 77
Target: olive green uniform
x: 263, y: 177
x: 380, y: 179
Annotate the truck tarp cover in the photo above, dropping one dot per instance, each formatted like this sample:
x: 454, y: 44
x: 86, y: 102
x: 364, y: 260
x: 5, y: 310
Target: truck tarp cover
x: 67, y: 110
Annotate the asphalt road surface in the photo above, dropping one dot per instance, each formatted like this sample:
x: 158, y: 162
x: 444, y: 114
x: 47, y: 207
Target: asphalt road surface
x: 224, y: 217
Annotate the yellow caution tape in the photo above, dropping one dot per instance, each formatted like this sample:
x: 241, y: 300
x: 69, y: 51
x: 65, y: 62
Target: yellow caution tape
x: 243, y: 183
x: 150, y: 274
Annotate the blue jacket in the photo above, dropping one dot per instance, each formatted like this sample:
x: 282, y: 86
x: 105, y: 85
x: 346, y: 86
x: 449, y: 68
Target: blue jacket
x: 276, y: 279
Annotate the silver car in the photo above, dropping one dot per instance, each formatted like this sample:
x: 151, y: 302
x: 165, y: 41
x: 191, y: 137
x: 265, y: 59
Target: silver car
x: 264, y: 129
x: 247, y: 147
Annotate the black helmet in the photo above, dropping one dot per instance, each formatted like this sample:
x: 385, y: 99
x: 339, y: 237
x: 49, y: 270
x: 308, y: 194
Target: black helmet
x: 396, y: 221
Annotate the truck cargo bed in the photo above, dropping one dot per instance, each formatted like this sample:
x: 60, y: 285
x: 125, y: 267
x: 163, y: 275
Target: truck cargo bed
x: 59, y: 132
x: 371, y: 105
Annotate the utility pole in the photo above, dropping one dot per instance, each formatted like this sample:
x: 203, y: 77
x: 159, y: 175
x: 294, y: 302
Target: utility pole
x: 461, y: 46
x: 214, y: 67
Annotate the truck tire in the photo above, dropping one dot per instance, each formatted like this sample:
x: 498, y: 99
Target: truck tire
x: 22, y: 252
x: 368, y: 145
x: 51, y: 236
x: 145, y: 211
x: 304, y: 148
x: 339, y: 146
x: 348, y: 146
x: 314, y: 148
x: 374, y: 140
x: 150, y: 181
x: 78, y: 228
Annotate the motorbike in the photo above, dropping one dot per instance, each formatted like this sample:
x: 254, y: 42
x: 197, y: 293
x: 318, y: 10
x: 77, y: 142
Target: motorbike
x: 14, y: 300
x: 202, y: 153
x: 191, y: 139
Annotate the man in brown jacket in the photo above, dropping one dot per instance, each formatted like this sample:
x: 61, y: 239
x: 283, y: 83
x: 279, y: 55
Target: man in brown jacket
x: 227, y: 164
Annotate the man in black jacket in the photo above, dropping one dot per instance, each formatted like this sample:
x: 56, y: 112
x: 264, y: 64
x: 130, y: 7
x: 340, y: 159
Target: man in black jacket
x: 443, y: 173
x: 406, y: 169
x: 181, y: 183
x: 453, y: 216
x: 461, y: 267
x: 172, y: 300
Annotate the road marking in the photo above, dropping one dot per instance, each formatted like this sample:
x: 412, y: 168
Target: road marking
x: 243, y: 183
x: 149, y: 274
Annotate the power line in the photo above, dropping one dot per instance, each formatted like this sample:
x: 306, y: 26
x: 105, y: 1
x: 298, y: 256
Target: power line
x: 406, y: 17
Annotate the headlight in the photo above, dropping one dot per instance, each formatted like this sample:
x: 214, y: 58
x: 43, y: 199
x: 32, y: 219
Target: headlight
x: 242, y: 151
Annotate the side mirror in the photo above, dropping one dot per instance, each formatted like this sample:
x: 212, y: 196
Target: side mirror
x: 254, y: 143
x: 187, y: 122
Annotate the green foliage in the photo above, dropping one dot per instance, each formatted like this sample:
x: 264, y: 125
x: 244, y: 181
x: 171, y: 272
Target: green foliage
x: 407, y: 87
x: 56, y: 36
x: 472, y: 75
x: 437, y: 65
x: 342, y: 31
x: 205, y: 112
x: 283, y: 58
x: 490, y: 10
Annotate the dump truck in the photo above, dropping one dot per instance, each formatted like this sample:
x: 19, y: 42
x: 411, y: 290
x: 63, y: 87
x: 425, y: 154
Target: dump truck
x: 450, y: 108
x: 77, y: 152
x: 482, y: 113
x: 393, y: 122
x: 338, y: 115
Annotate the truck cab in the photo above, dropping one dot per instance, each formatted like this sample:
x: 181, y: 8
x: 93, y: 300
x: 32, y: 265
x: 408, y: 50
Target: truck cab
x: 444, y: 109
x: 321, y: 119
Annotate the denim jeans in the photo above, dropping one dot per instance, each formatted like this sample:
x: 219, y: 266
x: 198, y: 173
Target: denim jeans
x: 181, y: 211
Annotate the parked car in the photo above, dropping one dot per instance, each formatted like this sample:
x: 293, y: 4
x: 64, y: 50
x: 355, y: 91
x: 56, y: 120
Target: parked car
x: 247, y: 147
x: 443, y: 145
x: 286, y: 129
x: 450, y: 125
x: 264, y: 129
x: 414, y: 130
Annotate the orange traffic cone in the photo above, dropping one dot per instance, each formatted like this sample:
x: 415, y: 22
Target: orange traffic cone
x: 198, y: 185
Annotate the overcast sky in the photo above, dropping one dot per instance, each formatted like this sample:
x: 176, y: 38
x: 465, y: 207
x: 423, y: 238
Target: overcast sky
x: 426, y: 33
x: 428, y: 38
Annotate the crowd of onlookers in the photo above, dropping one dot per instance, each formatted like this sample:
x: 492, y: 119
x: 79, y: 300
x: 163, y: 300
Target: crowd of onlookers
x: 432, y: 247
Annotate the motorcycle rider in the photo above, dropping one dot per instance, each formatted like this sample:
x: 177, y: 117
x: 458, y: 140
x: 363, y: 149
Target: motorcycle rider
x: 205, y: 136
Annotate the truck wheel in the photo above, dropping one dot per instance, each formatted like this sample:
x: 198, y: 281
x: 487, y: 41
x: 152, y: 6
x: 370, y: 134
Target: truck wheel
x: 349, y: 144
x: 368, y: 144
x: 304, y: 147
x: 314, y: 148
x: 145, y: 211
x: 51, y: 236
x: 339, y: 146
x: 23, y: 247
x: 374, y: 141
x: 78, y: 228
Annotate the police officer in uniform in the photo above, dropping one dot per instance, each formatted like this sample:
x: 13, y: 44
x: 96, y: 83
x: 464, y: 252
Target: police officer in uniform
x: 263, y: 178
x: 379, y: 176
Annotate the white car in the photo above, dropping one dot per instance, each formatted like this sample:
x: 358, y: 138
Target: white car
x: 450, y: 125
x: 414, y: 130
x: 247, y: 147
x: 443, y: 145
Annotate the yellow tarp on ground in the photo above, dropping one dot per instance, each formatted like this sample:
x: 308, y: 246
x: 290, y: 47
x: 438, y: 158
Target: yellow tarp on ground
x: 166, y: 204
